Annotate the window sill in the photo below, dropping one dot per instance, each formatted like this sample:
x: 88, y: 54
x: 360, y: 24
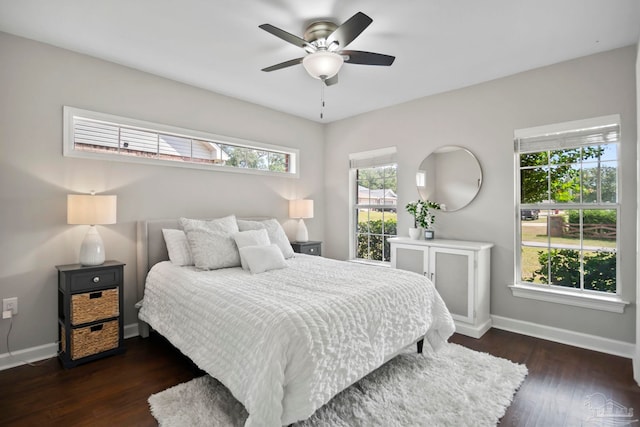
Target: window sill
x: 612, y: 303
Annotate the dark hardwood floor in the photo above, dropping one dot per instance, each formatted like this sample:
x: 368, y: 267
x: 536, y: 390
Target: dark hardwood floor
x: 114, y: 391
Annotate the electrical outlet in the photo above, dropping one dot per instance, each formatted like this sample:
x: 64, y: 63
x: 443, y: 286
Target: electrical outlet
x: 10, y: 304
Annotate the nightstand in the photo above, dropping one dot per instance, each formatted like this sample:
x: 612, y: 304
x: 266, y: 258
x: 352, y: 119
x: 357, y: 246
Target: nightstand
x: 309, y: 248
x: 90, y: 301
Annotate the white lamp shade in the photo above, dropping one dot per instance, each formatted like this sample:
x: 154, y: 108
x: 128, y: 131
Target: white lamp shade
x: 322, y: 64
x: 301, y: 209
x: 90, y: 209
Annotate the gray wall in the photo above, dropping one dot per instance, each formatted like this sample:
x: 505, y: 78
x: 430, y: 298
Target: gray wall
x: 483, y: 118
x: 37, y: 80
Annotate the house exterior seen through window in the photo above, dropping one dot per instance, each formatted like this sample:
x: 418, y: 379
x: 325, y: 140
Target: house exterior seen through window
x: 568, y: 211
x: 375, y: 211
x: 98, y: 135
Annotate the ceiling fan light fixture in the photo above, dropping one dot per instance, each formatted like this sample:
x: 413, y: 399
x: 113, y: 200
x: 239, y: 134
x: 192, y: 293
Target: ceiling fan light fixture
x: 322, y: 64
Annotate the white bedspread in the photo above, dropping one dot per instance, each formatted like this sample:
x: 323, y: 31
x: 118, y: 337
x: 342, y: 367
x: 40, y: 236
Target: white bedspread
x: 286, y: 341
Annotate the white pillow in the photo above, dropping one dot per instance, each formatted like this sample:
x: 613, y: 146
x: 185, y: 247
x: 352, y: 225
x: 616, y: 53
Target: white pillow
x: 177, y: 246
x: 211, y: 242
x: 263, y: 258
x: 250, y: 238
x: 227, y: 224
x: 274, y: 230
x: 211, y: 250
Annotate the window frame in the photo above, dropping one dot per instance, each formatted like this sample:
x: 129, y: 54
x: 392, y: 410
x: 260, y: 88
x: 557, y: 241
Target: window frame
x: 69, y: 150
x: 365, y: 160
x: 580, y: 297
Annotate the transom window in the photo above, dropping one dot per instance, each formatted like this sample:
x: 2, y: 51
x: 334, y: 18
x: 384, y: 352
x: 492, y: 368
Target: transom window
x: 98, y: 135
x: 567, y: 207
x: 374, y: 204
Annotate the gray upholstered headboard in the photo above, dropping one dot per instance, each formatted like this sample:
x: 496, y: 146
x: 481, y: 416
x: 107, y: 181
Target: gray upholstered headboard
x: 150, y: 250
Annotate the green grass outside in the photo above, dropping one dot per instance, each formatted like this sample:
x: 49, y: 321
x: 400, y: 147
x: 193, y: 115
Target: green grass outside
x: 376, y: 215
x: 539, y: 234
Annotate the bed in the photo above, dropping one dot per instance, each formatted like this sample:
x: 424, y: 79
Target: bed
x: 285, y: 341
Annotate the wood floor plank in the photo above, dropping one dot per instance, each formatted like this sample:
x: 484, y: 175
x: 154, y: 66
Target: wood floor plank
x: 114, y: 391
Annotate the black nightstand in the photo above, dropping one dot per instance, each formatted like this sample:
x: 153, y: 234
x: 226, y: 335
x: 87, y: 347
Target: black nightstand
x: 309, y: 248
x: 90, y: 301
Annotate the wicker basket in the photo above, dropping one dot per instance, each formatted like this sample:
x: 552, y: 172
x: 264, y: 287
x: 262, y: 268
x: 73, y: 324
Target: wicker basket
x: 92, y: 306
x: 92, y: 339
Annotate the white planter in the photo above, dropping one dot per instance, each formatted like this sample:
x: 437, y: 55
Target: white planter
x: 416, y: 233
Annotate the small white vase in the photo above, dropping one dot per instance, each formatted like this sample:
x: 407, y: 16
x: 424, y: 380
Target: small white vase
x: 416, y: 233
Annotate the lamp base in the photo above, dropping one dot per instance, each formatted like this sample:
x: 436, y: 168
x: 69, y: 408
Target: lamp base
x: 302, y: 235
x: 92, y: 248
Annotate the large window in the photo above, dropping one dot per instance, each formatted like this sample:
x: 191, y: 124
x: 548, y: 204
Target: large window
x: 374, y: 203
x: 567, y: 206
x: 98, y: 135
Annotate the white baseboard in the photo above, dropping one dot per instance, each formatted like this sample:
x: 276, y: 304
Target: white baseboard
x: 472, y: 331
x: 28, y: 355
x: 46, y: 351
x: 564, y: 336
x: 131, y: 330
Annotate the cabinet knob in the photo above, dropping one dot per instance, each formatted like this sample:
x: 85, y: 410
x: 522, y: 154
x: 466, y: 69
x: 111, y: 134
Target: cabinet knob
x: 96, y: 279
x: 312, y: 250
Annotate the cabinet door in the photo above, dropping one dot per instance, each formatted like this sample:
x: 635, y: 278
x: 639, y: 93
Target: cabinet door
x: 410, y: 257
x: 452, y: 272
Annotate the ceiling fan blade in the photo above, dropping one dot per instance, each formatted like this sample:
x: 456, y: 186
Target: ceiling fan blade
x: 288, y: 37
x: 367, y: 58
x: 349, y: 30
x: 283, y: 65
x: 332, y: 81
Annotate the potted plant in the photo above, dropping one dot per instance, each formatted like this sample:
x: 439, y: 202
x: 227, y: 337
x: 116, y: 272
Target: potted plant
x: 423, y: 219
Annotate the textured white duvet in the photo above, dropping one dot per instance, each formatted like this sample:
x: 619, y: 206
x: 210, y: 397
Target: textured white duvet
x: 286, y: 341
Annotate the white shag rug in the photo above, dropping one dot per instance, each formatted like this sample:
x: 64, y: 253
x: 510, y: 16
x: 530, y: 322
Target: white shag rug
x: 453, y: 387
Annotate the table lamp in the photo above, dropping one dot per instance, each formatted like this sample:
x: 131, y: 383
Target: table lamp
x: 300, y: 209
x: 89, y: 209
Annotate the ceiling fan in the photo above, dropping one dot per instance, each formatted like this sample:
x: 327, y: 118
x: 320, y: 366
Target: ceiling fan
x: 324, y: 42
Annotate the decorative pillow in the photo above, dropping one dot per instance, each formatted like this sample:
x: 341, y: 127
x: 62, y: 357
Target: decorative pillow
x: 211, y: 242
x: 274, y: 230
x: 211, y: 250
x: 263, y: 258
x: 177, y: 246
x: 227, y: 224
x: 250, y: 238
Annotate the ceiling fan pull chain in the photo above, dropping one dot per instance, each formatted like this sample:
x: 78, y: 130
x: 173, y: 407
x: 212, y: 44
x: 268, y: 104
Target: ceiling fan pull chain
x: 322, y: 98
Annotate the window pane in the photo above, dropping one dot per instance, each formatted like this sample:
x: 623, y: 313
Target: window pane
x: 563, y: 157
x: 362, y: 224
x: 138, y: 142
x: 532, y: 270
x: 600, y: 182
x: 534, y: 159
x: 362, y: 249
x: 565, y: 267
x: 565, y: 183
x: 534, y: 185
x: 176, y: 148
x: 600, y: 271
x: 278, y: 162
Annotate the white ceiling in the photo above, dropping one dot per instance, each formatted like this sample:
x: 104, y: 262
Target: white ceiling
x: 439, y: 45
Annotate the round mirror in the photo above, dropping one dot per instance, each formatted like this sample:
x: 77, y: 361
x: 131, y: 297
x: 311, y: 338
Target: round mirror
x: 450, y: 176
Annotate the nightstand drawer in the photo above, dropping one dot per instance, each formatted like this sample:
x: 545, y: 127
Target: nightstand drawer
x: 91, y: 340
x: 308, y: 248
x: 92, y: 306
x: 94, y: 279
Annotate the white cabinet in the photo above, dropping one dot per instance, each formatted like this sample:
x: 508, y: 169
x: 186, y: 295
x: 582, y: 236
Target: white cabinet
x: 460, y: 273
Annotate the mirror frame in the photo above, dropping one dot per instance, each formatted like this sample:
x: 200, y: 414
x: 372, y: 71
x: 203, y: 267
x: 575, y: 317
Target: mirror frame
x: 421, y: 178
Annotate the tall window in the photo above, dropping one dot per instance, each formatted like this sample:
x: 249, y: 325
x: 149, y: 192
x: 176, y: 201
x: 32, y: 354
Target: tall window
x: 568, y: 208
x: 374, y: 204
x: 98, y: 135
